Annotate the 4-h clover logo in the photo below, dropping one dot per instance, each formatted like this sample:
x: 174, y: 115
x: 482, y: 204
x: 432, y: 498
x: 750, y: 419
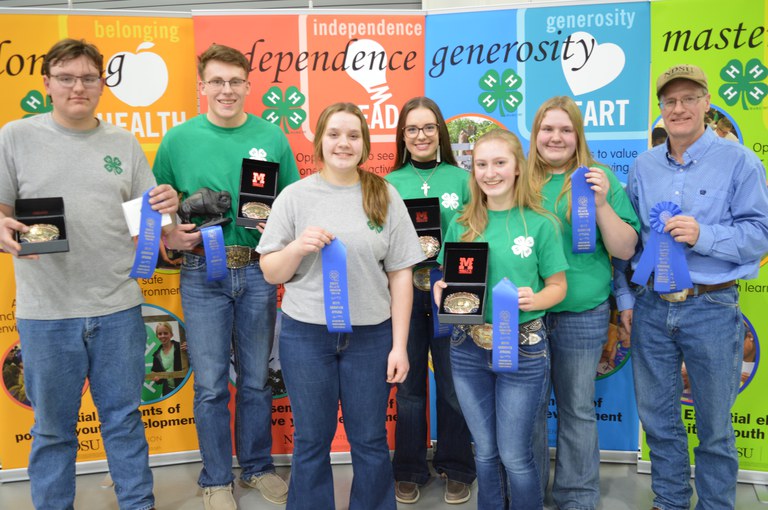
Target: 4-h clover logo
x: 743, y: 82
x: 35, y: 103
x: 284, y: 111
x: 258, y: 154
x: 373, y: 226
x: 450, y: 200
x: 113, y: 164
x: 501, y: 91
x: 523, y: 246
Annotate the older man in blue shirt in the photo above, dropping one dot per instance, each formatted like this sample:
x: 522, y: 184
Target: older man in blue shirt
x: 723, y: 227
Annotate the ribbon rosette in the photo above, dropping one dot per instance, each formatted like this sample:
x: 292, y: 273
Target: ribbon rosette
x: 663, y: 255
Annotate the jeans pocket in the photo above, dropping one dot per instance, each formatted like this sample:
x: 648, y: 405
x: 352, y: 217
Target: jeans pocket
x: 459, y: 335
x: 725, y: 297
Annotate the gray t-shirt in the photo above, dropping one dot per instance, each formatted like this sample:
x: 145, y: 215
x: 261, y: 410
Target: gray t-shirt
x: 371, y: 251
x: 95, y: 172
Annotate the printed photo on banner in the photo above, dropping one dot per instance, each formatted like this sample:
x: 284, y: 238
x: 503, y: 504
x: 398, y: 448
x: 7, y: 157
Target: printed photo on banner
x: 166, y: 359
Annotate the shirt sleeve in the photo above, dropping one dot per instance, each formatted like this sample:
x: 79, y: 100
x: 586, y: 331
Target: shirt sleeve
x: 280, y: 230
x: 9, y: 184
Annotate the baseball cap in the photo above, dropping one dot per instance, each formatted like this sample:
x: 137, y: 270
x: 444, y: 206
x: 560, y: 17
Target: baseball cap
x: 681, y: 71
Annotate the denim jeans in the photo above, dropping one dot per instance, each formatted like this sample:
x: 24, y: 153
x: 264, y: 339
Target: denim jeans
x: 58, y: 356
x: 576, y: 341
x: 320, y: 369
x: 236, y: 314
x: 501, y: 410
x: 454, y: 455
x: 707, y: 333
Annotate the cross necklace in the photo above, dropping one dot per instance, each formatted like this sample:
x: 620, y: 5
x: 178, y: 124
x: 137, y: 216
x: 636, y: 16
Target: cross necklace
x: 425, y: 186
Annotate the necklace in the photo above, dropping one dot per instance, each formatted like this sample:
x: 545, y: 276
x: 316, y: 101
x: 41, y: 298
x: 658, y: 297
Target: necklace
x: 425, y: 187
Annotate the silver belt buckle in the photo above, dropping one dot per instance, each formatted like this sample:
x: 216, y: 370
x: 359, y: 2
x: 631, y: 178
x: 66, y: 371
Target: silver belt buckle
x: 482, y: 335
x: 675, y: 297
x: 238, y: 256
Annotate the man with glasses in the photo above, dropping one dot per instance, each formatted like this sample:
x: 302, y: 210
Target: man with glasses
x: 79, y: 312
x: 236, y: 314
x: 720, y: 189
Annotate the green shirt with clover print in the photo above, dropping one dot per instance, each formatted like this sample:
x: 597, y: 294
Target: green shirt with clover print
x: 589, y: 274
x: 523, y: 246
x: 448, y: 183
x: 200, y: 154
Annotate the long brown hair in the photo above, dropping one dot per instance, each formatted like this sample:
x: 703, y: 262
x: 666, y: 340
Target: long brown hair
x: 375, y: 192
x: 475, y: 215
x: 443, y: 138
x: 539, y: 169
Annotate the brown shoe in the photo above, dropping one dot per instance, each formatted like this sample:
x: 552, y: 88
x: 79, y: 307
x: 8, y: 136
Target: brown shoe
x: 406, y: 492
x: 456, y: 492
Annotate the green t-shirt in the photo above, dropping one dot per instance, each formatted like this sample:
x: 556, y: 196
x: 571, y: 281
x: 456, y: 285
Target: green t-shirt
x: 589, y: 274
x: 200, y: 154
x: 523, y: 246
x: 448, y: 183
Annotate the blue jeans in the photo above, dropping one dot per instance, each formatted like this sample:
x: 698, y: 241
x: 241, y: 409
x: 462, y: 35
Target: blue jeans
x: 707, y: 333
x: 576, y: 341
x: 233, y: 315
x: 501, y: 410
x: 320, y: 369
x: 58, y: 356
x: 454, y: 455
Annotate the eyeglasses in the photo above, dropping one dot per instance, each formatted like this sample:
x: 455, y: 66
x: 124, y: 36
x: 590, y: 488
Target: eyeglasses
x: 219, y: 84
x: 687, y: 102
x: 413, y: 131
x: 89, y: 81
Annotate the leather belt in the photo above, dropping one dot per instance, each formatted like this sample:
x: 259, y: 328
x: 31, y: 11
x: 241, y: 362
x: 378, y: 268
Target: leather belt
x: 482, y: 334
x: 237, y: 256
x: 696, y: 290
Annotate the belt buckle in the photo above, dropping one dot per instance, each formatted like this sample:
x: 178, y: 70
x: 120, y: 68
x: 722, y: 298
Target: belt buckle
x: 238, y: 256
x: 675, y: 297
x: 482, y: 335
x: 421, y: 279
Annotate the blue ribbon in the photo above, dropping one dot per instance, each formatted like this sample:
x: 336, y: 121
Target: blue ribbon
x: 335, y: 290
x: 215, y: 253
x: 583, y: 222
x: 662, y: 255
x: 438, y: 330
x: 505, y: 326
x: 148, y: 247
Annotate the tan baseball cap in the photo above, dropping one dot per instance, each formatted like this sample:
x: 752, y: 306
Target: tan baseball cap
x: 681, y: 71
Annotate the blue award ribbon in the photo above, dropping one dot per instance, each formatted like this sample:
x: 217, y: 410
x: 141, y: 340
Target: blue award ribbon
x: 662, y: 255
x: 583, y: 222
x: 438, y: 330
x: 215, y: 253
x: 335, y: 290
x: 505, y: 326
x: 148, y: 247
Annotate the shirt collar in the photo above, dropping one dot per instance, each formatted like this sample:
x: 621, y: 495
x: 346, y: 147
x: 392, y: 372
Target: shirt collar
x: 696, y: 150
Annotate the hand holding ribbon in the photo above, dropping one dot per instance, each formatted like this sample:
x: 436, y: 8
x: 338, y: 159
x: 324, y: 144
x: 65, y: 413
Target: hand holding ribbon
x: 662, y: 255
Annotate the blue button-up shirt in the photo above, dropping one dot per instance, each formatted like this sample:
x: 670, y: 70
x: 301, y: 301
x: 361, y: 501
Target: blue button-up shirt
x: 722, y: 185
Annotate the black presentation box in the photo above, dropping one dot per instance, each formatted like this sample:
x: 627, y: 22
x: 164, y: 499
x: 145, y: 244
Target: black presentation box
x: 258, y: 183
x: 465, y: 269
x: 425, y: 215
x: 50, y: 211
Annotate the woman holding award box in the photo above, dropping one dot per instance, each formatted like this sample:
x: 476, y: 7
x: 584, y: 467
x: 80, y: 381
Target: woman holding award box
x: 525, y: 247
x: 578, y: 325
x: 425, y: 167
x: 350, y: 346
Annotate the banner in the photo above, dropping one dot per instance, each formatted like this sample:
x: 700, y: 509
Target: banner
x: 730, y: 48
x: 508, y: 62
x: 150, y: 87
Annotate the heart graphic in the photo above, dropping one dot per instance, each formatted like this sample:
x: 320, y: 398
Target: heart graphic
x: 589, y: 65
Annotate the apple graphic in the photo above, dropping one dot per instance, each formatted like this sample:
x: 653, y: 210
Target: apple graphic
x: 137, y: 79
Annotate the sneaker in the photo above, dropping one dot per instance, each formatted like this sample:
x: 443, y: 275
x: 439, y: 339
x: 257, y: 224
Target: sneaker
x: 219, y: 498
x: 456, y: 492
x: 272, y: 487
x: 406, y: 492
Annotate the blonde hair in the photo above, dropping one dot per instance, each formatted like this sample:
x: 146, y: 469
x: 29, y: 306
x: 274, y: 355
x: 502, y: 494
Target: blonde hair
x: 164, y: 325
x: 538, y: 168
x: 374, y: 187
x: 475, y: 215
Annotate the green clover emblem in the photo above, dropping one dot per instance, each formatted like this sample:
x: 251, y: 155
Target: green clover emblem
x: 284, y: 111
x: 743, y: 82
x: 373, y: 226
x: 113, y: 164
x: 35, y: 103
x: 501, y: 91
